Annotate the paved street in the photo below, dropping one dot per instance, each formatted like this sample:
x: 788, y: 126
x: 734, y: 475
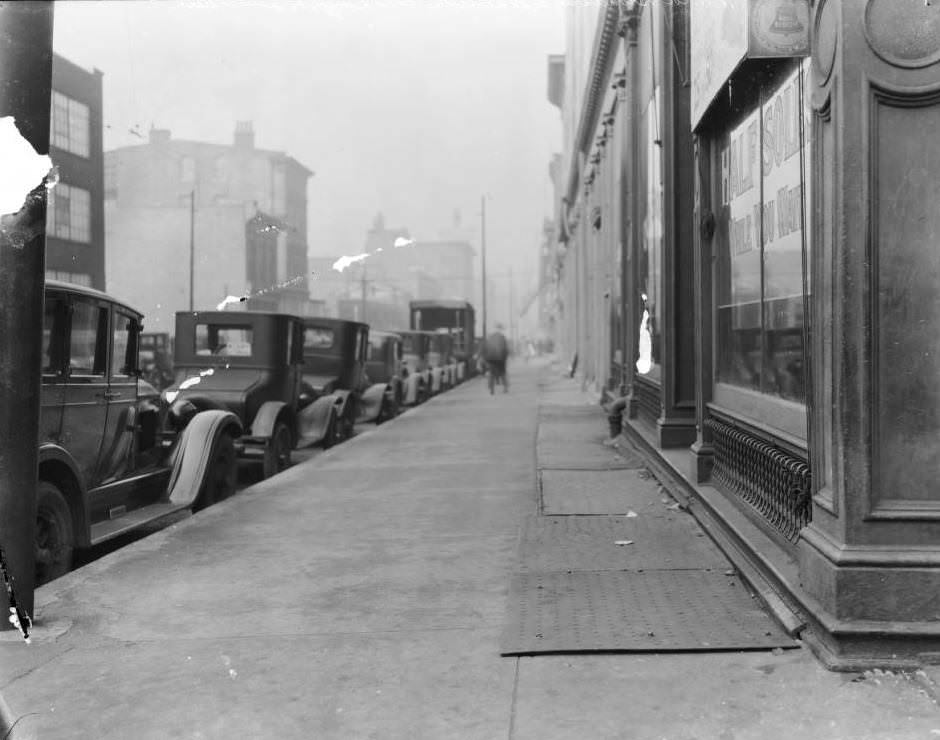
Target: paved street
x: 362, y: 594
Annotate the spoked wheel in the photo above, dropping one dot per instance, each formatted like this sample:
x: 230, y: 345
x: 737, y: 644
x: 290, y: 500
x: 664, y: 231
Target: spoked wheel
x: 277, y: 454
x: 54, y: 539
x: 222, y: 476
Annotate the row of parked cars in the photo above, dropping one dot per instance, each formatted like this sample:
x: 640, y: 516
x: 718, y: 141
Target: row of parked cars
x: 117, y: 452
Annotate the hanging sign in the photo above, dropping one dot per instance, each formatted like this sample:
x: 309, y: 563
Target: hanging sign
x: 778, y: 28
x: 726, y: 32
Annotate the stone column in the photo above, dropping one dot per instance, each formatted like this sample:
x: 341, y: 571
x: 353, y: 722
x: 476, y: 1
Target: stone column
x: 703, y: 453
x: 870, y: 559
x: 676, y: 424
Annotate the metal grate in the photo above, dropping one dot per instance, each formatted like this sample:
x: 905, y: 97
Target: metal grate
x: 649, y: 400
x: 773, y: 482
x: 624, y: 611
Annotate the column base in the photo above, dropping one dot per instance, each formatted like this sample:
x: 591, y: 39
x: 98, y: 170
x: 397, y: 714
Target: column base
x: 870, y: 606
x: 702, y: 461
x: 675, y: 432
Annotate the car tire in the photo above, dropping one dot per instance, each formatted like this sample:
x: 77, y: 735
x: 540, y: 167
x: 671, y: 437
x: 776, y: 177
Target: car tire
x: 277, y: 453
x: 329, y: 437
x: 54, y: 540
x: 222, y: 475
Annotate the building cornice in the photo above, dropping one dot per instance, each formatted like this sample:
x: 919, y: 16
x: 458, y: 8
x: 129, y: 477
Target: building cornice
x: 602, y: 59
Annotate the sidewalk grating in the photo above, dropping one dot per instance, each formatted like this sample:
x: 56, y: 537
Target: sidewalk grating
x: 626, y: 611
x: 587, y: 543
x: 593, y: 492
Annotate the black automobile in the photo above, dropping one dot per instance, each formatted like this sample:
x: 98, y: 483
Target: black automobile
x: 334, y: 365
x: 384, y: 392
x: 251, y: 363
x: 112, y: 454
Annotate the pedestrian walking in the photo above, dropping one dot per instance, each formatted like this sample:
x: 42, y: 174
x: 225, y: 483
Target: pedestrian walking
x: 496, y: 353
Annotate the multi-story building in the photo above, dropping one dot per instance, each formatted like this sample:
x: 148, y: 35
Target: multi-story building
x: 220, y: 219
x: 749, y: 220
x: 75, y: 227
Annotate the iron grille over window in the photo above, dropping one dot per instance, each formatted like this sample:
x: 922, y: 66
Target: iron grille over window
x: 773, y: 482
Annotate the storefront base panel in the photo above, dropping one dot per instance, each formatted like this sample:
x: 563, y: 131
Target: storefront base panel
x: 676, y: 432
x: 774, y: 573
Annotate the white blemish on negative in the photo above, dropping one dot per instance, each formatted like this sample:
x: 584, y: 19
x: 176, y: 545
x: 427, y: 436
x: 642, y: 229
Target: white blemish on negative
x: 23, y: 169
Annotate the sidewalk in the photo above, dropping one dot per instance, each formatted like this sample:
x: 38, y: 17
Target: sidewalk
x: 362, y: 594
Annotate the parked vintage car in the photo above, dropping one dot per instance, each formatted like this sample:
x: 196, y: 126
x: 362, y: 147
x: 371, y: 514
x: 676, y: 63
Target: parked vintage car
x: 112, y: 455
x: 438, y: 361
x: 156, y: 359
x: 334, y: 365
x: 416, y: 372
x: 383, y: 395
x: 251, y: 364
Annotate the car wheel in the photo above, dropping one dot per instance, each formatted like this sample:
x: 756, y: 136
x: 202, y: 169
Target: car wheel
x: 222, y: 475
x: 329, y: 438
x: 277, y: 453
x: 54, y: 539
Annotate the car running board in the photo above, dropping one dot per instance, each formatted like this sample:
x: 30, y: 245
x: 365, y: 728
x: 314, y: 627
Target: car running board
x: 112, y: 528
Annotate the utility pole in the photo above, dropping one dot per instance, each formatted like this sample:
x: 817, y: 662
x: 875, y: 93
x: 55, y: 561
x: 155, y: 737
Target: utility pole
x: 192, y: 246
x: 512, y: 311
x: 483, y: 255
x: 25, y: 92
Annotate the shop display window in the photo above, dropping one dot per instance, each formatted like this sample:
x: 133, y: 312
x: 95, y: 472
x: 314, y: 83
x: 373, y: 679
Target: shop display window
x: 764, y: 206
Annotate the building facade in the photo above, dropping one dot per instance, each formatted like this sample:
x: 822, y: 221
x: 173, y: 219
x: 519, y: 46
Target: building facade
x: 218, y: 220
x: 75, y: 226
x: 747, y: 252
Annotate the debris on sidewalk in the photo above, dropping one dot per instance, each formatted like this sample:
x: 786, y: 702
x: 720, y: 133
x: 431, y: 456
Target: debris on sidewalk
x: 630, y: 514
x: 623, y: 542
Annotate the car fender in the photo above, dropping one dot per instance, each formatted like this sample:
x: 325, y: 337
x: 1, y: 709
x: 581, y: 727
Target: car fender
x: 370, y: 403
x: 411, y: 389
x: 437, y: 377
x: 341, y: 401
x: 262, y: 426
x: 194, y: 452
x: 56, y: 465
x: 313, y: 421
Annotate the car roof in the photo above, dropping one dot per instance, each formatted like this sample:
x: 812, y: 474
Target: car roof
x: 331, y: 322
x: 445, y: 303
x: 91, y: 293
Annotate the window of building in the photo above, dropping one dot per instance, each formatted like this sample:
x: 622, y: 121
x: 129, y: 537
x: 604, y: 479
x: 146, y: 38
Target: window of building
x: 68, y: 213
x: 651, y: 244
x: 76, y: 278
x: 70, y: 125
x: 763, y: 191
x: 187, y: 169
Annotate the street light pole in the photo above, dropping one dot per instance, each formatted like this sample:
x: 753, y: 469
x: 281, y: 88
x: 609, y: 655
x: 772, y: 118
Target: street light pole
x: 483, y: 255
x: 192, y: 245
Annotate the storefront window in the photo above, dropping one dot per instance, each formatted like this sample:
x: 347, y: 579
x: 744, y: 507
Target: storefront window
x: 764, y: 197
x: 651, y: 247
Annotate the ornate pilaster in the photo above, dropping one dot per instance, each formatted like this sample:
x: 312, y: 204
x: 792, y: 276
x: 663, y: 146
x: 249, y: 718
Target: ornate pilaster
x: 870, y: 559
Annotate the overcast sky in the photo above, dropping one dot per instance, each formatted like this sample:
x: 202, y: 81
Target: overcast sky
x: 411, y: 108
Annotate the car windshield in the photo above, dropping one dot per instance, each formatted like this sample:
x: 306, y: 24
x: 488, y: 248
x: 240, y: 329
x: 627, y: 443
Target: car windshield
x: 224, y: 341
x: 318, y: 338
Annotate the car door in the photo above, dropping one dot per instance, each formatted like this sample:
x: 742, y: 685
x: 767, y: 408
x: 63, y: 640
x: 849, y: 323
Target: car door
x: 116, y: 459
x: 54, y: 334
x: 85, y: 404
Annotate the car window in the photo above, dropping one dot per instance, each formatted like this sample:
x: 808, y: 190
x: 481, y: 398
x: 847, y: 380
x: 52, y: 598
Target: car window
x: 88, y: 338
x: 121, y: 362
x: 375, y: 347
x: 53, y: 335
x: 316, y: 337
x: 224, y: 341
